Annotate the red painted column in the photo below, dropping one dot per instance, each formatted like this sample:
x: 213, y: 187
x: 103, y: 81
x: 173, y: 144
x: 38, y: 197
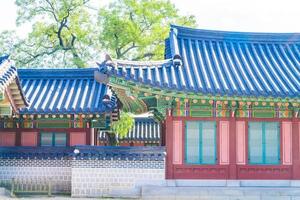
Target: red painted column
x: 169, y: 147
x: 232, y: 149
x: 296, y: 148
x: 18, y: 136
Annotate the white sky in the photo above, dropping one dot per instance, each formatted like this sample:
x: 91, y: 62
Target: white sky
x: 232, y: 15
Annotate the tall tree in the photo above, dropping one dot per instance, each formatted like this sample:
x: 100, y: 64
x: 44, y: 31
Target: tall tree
x: 62, y: 34
x: 136, y: 29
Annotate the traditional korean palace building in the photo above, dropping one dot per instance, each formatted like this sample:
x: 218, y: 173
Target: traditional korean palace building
x: 62, y: 107
x: 52, y: 107
x: 229, y: 100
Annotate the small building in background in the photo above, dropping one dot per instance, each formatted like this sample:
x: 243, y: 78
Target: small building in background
x: 53, y: 107
x: 145, y: 132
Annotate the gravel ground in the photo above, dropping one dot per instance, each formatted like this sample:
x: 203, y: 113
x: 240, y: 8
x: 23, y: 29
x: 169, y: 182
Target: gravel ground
x: 55, y: 198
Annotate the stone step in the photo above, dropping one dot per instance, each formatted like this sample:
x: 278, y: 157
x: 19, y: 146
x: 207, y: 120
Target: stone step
x: 231, y: 183
x: 261, y: 193
x: 134, y: 193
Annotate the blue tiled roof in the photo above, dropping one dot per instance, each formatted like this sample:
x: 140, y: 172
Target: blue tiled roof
x: 120, y: 153
x: 64, y: 91
x: 84, y: 152
x: 144, y: 129
x: 35, y: 152
x: 221, y: 63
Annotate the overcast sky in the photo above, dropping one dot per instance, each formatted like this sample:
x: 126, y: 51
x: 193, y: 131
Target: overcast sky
x: 231, y: 15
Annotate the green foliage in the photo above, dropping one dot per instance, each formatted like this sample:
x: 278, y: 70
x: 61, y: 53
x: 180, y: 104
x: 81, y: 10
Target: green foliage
x: 68, y: 33
x: 62, y: 34
x: 137, y: 29
x: 8, y: 39
x: 123, y: 126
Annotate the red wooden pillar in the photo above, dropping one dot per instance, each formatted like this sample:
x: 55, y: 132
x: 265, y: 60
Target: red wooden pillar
x: 296, y: 148
x: 232, y: 149
x: 169, y: 146
x: 18, y: 136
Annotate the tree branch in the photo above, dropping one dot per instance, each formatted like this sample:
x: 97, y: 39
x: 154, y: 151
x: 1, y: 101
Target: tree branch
x: 145, y: 55
x: 128, y: 49
x: 53, y: 10
x: 38, y: 55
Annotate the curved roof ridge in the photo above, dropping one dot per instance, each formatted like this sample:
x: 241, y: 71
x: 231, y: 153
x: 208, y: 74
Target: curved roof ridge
x: 236, y: 35
x: 142, y: 63
x: 41, y: 73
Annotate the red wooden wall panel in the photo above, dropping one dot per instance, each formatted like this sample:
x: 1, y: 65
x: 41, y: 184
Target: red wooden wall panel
x: 77, y: 138
x: 287, y: 143
x: 29, y: 138
x: 177, y: 139
x: 240, y: 143
x: 224, y: 142
x: 7, y: 139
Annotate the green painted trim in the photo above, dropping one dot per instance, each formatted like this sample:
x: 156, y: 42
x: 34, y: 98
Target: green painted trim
x: 128, y: 85
x: 5, y: 110
x: 201, y: 143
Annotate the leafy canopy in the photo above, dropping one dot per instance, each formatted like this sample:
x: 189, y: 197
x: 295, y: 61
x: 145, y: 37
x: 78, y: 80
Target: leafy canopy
x: 137, y: 29
x: 70, y: 33
x: 62, y: 33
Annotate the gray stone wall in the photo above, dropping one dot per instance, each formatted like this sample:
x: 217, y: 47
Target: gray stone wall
x: 84, y: 171
x: 57, y: 171
x: 107, y: 178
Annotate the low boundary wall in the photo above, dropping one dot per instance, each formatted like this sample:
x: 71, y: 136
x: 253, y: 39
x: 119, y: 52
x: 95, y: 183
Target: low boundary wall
x: 85, y: 171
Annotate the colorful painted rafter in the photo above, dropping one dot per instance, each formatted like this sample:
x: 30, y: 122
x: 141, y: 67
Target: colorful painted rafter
x: 12, y: 95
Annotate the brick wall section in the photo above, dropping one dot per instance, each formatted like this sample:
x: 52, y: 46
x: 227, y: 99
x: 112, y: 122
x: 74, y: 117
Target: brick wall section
x: 25, y: 169
x: 100, y: 177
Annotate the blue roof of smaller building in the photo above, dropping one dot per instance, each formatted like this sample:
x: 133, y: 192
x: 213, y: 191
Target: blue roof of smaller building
x: 145, y: 129
x: 65, y: 91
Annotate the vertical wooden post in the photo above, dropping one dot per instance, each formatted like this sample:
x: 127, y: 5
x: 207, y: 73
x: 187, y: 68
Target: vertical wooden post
x: 295, y: 148
x: 162, y: 141
x: 232, y: 148
x: 92, y: 137
x: 169, y: 146
x: 18, y: 137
